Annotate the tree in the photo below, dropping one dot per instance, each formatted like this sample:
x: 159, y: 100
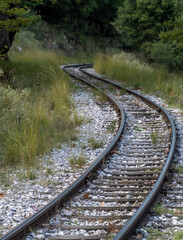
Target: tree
x: 168, y: 50
x: 175, y: 34
x: 14, y: 14
x: 6, y: 37
x: 81, y: 15
x: 141, y: 21
x: 104, y: 14
x: 70, y: 13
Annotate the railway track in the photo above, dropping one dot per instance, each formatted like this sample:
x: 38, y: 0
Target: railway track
x: 112, y: 197
x: 166, y: 219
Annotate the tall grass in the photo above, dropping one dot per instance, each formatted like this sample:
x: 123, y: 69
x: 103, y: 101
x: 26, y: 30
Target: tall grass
x: 136, y: 74
x: 36, y: 112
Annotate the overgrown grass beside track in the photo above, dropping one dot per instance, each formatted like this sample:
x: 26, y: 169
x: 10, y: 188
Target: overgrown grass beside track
x: 36, y: 112
x: 133, y: 73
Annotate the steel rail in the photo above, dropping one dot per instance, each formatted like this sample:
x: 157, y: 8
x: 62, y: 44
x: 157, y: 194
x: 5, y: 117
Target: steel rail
x: 126, y: 232
x: 25, y: 227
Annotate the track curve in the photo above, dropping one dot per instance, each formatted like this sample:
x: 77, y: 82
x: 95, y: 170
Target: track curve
x: 134, y: 222
x: 129, y: 172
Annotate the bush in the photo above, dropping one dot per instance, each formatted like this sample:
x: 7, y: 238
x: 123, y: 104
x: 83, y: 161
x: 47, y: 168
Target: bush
x: 167, y: 54
x: 24, y: 41
x: 141, y: 21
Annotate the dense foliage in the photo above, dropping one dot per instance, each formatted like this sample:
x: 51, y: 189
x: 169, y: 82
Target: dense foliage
x: 142, y: 21
x: 80, y: 15
x: 152, y: 26
x: 19, y: 13
x: 131, y: 71
x: 168, y: 50
x: 15, y: 14
x: 155, y: 26
x: 92, y: 16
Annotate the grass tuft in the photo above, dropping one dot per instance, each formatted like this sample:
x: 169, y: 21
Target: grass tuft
x: 178, y: 235
x: 160, y: 210
x: 77, y: 161
x: 112, y: 126
x: 179, y: 169
x: 95, y: 143
x: 154, y: 234
x: 154, y: 137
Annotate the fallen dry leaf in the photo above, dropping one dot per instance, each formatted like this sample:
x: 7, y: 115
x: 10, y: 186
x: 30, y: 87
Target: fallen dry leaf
x: 138, y: 236
x: 86, y: 196
x: 2, y: 195
x: 177, y: 211
x: 112, y: 228
x: 47, y: 225
x: 114, y: 151
x: 166, y: 151
x: 170, y: 130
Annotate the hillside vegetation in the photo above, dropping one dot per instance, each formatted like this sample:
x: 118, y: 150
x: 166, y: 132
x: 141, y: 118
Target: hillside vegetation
x: 36, y: 112
x: 36, y: 109
x: 152, y: 27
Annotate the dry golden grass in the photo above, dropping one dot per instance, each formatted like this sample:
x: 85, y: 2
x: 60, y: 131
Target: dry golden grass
x: 133, y: 73
x: 36, y: 112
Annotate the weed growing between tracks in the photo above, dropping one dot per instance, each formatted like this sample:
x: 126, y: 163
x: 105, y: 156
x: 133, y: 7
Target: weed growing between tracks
x: 36, y: 112
x: 159, y: 210
x: 111, y: 127
x: 154, y: 234
x: 94, y: 143
x: 160, y: 234
x: 77, y: 161
x: 136, y: 74
x: 154, y: 137
x: 179, y: 168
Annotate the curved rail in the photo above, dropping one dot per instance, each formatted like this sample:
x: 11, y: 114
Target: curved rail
x: 19, y: 231
x: 137, y: 218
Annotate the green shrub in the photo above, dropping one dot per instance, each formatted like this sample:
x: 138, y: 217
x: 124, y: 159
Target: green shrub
x: 24, y: 41
x: 168, y: 50
x: 167, y: 54
x: 141, y: 21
